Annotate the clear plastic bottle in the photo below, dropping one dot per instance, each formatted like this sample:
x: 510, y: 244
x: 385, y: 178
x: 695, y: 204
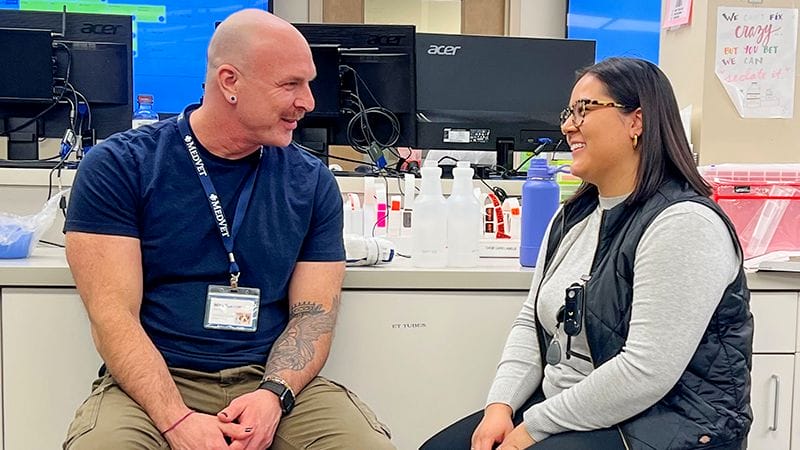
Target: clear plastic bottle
x: 429, y: 246
x: 145, y: 114
x: 540, y: 196
x: 463, y: 219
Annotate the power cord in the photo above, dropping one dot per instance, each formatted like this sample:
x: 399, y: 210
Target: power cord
x: 341, y: 158
x: 400, y: 185
x: 367, y: 142
x: 68, y: 146
x: 543, y: 142
x: 387, y: 171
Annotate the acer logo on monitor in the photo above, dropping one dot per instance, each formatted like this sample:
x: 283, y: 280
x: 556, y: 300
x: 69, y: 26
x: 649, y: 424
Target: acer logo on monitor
x: 443, y: 50
x: 99, y: 28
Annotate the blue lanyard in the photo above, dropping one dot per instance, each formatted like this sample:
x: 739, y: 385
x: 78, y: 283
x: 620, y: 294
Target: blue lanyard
x: 228, y: 234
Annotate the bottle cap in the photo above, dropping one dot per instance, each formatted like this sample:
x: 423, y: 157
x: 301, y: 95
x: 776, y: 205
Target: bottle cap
x: 540, y: 170
x: 431, y: 169
x: 463, y: 169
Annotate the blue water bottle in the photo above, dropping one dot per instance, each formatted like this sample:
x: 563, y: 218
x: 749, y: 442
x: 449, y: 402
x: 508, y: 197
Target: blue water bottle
x: 540, y: 195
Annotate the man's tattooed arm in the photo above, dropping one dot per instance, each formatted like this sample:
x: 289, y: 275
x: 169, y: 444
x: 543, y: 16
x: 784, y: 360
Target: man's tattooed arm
x: 301, y: 350
x: 296, y: 347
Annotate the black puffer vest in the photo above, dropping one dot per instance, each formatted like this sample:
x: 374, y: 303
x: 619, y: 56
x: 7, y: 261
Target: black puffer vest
x: 710, y: 404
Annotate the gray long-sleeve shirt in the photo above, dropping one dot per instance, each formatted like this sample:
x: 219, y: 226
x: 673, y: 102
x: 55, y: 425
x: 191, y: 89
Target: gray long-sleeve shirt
x: 684, y: 262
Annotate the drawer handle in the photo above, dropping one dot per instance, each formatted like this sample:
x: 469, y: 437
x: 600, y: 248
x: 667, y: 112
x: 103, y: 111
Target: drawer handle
x: 774, y: 425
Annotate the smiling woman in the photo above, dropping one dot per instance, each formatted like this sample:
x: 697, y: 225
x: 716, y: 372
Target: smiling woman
x: 602, y: 144
x: 604, y: 313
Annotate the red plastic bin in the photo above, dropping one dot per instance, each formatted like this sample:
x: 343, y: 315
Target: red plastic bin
x: 762, y: 200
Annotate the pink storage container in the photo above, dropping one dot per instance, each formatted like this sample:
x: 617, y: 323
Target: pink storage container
x: 762, y: 200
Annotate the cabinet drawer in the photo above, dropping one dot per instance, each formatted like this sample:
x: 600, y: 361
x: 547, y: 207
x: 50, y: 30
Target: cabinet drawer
x: 771, y: 399
x: 775, y: 315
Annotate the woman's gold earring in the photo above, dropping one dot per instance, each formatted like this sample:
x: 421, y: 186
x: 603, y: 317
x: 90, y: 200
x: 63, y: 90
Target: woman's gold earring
x: 635, y: 140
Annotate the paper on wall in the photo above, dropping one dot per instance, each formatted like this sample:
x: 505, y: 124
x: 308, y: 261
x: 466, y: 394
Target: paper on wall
x: 755, y: 59
x: 679, y: 13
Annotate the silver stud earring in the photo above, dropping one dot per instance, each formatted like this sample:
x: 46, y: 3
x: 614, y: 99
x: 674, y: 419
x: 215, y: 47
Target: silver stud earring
x: 233, y: 99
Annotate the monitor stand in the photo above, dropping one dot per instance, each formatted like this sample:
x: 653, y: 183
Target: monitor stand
x: 316, y: 139
x: 23, y: 144
x: 505, y: 151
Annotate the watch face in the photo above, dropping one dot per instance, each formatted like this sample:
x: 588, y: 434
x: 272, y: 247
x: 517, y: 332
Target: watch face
x: 287, y: 401
x: 285, y: 395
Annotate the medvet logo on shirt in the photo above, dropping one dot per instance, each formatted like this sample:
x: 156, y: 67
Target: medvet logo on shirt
x: 217, y: 207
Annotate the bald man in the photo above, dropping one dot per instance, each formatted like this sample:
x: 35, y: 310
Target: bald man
x: 208, y: 253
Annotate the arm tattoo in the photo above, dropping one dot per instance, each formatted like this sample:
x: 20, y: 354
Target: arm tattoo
x: 294, y: 348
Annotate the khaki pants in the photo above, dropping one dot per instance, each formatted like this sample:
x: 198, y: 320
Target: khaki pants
x: 326, y: 415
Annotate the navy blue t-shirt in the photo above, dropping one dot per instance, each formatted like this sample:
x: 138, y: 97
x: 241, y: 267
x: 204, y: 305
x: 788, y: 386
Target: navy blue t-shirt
x: 143, y: 184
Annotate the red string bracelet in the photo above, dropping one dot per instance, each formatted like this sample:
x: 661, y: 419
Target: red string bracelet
x: 177, y: 423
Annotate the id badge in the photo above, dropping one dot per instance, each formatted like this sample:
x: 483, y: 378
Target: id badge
x: 232, y: 310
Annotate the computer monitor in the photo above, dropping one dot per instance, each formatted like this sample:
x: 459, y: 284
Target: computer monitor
x: 90, y: 51
x: 494, y: 93
x: 363, y: 72
x: 169, y: 43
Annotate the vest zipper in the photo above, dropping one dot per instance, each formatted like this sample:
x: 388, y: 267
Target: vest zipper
x: 624, y: 441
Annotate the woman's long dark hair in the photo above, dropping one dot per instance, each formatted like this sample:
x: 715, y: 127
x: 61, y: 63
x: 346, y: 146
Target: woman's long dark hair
x: 664, y: 149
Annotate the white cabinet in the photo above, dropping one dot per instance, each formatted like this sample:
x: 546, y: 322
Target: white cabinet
x: 775, y: 315
x: 421, y: 359
x: 773, y: 375
x: 48, y: 364
x: 771, y: 395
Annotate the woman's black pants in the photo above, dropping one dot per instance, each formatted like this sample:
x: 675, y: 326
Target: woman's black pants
x: 458, y: 435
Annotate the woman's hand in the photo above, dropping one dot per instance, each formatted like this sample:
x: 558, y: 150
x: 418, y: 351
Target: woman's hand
x: 518, y: 439
x: 494, y: 427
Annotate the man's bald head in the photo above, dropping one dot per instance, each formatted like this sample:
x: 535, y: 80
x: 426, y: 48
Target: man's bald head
x: 257, y: 84
x: 248, y: 35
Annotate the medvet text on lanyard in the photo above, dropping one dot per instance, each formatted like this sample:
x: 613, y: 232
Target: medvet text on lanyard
x: 228, y: 234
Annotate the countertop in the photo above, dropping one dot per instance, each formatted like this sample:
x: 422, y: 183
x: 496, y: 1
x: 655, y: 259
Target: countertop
x: 47, y: 267
x: 34, y: 177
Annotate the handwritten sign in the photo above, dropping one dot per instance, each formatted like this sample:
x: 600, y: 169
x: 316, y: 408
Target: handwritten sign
x: 679, y: 13
x: 755, y: 59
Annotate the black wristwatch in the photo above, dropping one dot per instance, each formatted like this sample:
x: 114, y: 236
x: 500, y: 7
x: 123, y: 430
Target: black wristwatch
x: 280, y: 388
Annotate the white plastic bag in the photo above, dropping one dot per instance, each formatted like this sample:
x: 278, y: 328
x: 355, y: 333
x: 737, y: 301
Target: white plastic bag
x: 20, y: 234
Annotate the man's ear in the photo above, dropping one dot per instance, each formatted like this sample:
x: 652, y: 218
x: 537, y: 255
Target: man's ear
x: 227, y: 78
